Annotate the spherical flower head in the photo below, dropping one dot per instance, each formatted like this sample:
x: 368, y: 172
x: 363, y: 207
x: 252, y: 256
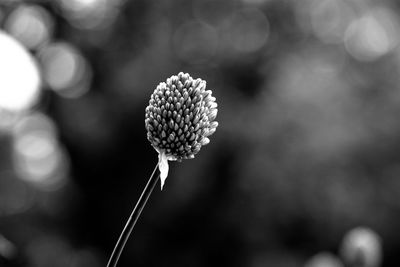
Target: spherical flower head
x: 180, y: 117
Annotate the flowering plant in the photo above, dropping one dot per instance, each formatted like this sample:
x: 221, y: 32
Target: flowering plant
x: 179, y: 120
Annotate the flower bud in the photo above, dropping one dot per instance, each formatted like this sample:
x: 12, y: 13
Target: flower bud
x: 180, y: 118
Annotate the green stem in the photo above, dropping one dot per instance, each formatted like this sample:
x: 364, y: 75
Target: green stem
x: 130, y: 224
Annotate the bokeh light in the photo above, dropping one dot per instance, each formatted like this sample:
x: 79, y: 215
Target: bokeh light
x: 38, y: 158
x: 20, y: 79
x: 362, y: 247
x: 65, y: 70
x: 324, y: 259
x: 8, y: 119
x: 372, y: 35
x: 90, y: 14
x: 32, y: 25
x: 7, y: 249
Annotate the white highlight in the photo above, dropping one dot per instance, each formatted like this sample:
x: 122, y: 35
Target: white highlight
x: 20, y: 78
x: 362, y: 244
x: 163, y: 167
x: 37, y: 155
x: 373, y: 35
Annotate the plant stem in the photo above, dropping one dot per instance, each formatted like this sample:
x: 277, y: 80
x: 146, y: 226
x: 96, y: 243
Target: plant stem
x: 130, y: 224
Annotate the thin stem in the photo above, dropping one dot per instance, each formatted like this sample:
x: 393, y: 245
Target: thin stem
x: 119, y: 247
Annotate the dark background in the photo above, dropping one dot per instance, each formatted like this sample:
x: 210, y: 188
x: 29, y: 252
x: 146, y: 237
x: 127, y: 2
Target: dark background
x: 307, y: 146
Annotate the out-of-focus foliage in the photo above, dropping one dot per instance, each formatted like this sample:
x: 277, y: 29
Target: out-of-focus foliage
x: 307, y: 146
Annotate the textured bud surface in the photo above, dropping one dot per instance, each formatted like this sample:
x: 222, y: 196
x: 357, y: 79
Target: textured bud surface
x: 181, y: 116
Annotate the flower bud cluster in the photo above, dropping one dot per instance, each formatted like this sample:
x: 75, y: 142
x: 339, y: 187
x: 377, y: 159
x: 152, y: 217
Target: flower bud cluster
x: 181, y: 116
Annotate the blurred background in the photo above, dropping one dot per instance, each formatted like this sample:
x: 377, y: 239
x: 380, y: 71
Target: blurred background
x: 307, y: 146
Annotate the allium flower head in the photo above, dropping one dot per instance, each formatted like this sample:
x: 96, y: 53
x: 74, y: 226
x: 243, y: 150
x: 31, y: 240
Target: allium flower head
x: 179, y: 118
